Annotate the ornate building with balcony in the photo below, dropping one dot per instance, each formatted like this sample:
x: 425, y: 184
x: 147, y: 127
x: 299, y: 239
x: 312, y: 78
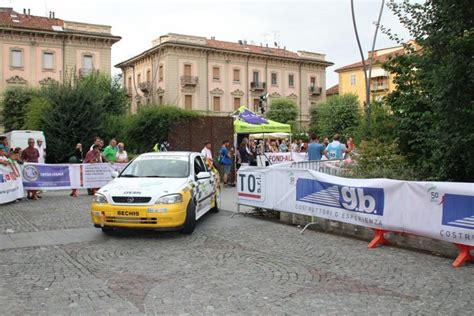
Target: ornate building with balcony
x: 37, y: 50
x: 217, y: 77
x: 351, y: 77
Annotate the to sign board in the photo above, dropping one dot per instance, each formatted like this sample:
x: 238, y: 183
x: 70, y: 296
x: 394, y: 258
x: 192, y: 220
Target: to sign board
x: 250, y: 186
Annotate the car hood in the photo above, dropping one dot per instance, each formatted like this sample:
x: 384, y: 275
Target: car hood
x: 142, y: 187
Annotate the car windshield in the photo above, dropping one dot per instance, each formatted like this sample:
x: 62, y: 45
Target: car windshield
x: 157, y: 167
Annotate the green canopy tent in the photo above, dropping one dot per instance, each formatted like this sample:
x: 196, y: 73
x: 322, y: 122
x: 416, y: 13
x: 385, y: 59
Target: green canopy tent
x: 241, y: 127
x: 248, y: 122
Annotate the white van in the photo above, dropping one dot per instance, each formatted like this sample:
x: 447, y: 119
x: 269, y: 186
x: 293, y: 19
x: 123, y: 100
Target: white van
x: 20, y: 138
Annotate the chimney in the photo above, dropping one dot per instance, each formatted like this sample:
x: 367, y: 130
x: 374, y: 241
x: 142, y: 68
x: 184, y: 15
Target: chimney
x: 245, y: 42
x: 24, y: 11
x: 50, y: 14
x: 213, y: 38
x: 29, y: 12
x: 267, y: 45
x: 54, y: 15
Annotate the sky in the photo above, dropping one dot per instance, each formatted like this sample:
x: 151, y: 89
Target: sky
x: 316, y: 26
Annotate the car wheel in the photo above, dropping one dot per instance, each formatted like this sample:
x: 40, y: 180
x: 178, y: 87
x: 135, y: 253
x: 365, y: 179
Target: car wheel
x: 107, y: 230
x: 190, y: 222
x: 217, y: 205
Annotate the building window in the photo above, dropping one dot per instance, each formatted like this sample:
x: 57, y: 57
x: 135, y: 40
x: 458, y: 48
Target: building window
x: 87, y: 63
x: 129, y: 87
x: 216, y: 73
x: 353, y: 80
x: 216, y: 104
x: 161, y: 73
x: 237, y: 75
x: 255, y: 76
x: 291, y: 80
x: 313, y: 81
x: 187, y: 70
x: 236, y: 103
x: 256, y: 104
x: 274, y: 79
x: 16, y: 58
x: 148, y: 75
x: 48, y: 60
x: 139, y: 78
x: 188, y: 102
x: 160, y: 100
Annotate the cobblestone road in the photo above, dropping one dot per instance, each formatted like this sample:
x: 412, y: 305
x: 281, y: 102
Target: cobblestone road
x: 53, y: 262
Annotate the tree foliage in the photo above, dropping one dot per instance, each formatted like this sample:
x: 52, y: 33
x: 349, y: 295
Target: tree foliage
x: 35, y: 112
x: 283, y: 110
x: 14, y: 106
x: 382, y: 124
x: 111, y: 96
x: 378, y: 159
x: 152, y: 123
x: 338, y: 114
x: 433, y: 104
x: 68, y: 113
x: 76, y: 116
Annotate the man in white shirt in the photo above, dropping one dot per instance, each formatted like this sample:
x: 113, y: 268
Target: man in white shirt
x: 41, y: 150
x: 207, y: 153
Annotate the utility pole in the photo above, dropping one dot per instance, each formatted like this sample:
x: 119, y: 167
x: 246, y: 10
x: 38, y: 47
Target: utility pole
x: 371, y: 58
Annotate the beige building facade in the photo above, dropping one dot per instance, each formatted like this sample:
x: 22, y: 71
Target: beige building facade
x: 352, y: 77
x: 217, y: 77
x: 36, y: 50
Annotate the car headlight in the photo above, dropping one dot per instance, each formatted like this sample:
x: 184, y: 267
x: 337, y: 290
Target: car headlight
x: 100, y: 198
x: 170, y: 199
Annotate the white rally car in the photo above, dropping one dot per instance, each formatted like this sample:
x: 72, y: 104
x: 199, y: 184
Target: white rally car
x: 163, y: 190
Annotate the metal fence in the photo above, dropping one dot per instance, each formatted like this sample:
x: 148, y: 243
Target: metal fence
x: 332, y: 167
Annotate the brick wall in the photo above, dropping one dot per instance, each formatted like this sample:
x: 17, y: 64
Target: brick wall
x: 191, y: 136
x: 207, y: 128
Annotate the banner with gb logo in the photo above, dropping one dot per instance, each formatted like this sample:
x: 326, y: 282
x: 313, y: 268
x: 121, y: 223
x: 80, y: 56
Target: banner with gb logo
x: 439, y: 210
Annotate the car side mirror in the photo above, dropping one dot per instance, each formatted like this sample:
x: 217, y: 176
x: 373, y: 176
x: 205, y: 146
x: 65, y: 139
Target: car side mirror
x: 115, y: 174
x: 203, y: 175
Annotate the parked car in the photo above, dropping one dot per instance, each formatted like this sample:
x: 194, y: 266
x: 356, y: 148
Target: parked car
x: 162, y: 190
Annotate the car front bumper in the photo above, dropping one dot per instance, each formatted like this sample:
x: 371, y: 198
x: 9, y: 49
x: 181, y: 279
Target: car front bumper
x: 149, y: 216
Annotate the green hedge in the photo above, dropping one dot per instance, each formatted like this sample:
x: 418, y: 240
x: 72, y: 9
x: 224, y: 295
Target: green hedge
x: 151, y: 125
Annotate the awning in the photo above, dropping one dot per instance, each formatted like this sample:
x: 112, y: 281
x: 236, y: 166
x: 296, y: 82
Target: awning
x: 279, y: 135
x: 243, y: 125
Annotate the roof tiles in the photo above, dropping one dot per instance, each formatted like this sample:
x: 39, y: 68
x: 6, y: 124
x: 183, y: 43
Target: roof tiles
x: 378, y: 59
x: 251, y: 48
x: 8, y: 17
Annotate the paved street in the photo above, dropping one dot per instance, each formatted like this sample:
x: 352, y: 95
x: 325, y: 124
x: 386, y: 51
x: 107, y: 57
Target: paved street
x: 53, y: 262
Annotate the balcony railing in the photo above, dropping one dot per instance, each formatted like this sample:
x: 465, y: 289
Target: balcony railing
x: 382, y: 87
x: 313, y: 90
x: 189, y: 80
x: 257, y: 86
x: 145, y: 87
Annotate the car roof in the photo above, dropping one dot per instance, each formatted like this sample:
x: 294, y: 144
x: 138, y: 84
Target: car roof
x: 170, y: 153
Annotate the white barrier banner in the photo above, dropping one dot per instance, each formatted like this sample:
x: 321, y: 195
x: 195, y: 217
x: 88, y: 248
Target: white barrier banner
x: 67, y: 176
x: 439, y: 210
x: 11, y: 187
x: 278, y: 158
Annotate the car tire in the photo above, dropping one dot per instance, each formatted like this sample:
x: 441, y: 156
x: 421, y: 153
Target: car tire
x: 107, y: 230
x: 216, y: 207
x: 190, y: 221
